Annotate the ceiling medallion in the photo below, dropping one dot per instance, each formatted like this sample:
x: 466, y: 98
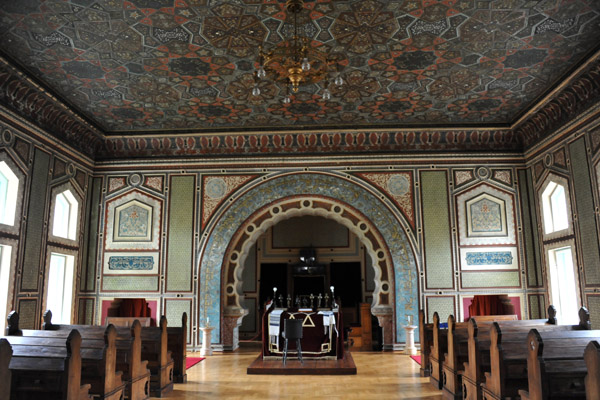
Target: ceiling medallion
x: 294, y: 62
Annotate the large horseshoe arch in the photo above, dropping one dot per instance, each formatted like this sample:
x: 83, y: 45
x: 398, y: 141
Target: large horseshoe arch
x: 286, y: 196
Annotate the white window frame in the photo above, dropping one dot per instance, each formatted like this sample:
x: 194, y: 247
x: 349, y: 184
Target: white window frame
x: 546, y: 207
x: 60, y: 302
x: 553, y: 285
x: 9, y: 210
x: 72, y: 217
x: 5, y: 266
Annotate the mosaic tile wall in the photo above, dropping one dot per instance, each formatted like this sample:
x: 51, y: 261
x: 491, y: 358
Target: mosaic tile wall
x: 174, y: 309
x: 35, y: 230
x: 438, y: 246
x: 181, y: 234
x: 585, y: 211
x: 42, y: 167
x: 443, y: 305
x: 88, y: 270
x: 530, y: 233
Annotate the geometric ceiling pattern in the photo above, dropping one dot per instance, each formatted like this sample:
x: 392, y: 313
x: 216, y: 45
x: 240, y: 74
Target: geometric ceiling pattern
x: 142, y: 66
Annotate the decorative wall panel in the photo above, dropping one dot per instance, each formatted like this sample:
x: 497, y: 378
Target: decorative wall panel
x: 180, y: 246
x: 132, y: 222
x: 436, y: 230
x: 463, y: 177
x: 88, y: 269
x: 399, y: 187
x: 85, y: 314
x: 485, y: 216
x: 490, y: 280
x: 533, y: 263
x: 128, y: 284
x: 489, y: 258
x: 35, y: 230
x: 174, y: 309
x: 443, y: 305
x: 215, y: 190
x: 593, y: 302
x: 131, y: 263
x: 28, y: 317
x: 585, y: 212
x: 537, y: 306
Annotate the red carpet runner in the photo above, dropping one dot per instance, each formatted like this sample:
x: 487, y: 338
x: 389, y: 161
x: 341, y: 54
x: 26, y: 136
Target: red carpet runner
x: 191, y: 361
x: 417, y: 359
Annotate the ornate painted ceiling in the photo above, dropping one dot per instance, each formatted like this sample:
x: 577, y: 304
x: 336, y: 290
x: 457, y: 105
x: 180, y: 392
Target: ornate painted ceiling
x: 186, y: 65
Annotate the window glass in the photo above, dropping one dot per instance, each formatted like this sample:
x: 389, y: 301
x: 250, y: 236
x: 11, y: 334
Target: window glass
x: 60, y: 288
x: 9, y: 187
x: 4, y: 275
x: 65, y: 216
x: 563, y: 285
x: 555, y: 208
x: 558, y: 203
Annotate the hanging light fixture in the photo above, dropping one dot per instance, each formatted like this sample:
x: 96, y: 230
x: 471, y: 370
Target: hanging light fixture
x: 294, y: 62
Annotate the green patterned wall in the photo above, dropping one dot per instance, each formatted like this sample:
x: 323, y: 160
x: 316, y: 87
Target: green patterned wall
x: 585, y: 212
x: 174, y: 309
x: 490, y: 279
x: 88, y: 270
x: 180, y: 253
x: 436, y: 228
x: 443, y: 305
x: 126, y: 283
x: 85, y: 315
x: 32, y: 261
x: 594, y: 309
x: 537, y: 306
x: 27, y: 314
x: 530, y: 232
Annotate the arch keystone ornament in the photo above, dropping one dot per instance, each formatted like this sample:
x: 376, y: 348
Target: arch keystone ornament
x: 237, y: 226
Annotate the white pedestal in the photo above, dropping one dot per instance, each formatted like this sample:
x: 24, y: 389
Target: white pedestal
x: 410, y: 348
x: 206, y: 350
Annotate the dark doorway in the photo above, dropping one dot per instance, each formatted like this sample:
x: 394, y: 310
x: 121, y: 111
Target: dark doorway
x: 272, y: 275
x: 345, y: 277
x: 307, y: 285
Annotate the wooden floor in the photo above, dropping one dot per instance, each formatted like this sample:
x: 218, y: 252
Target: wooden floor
x: 380, y: 376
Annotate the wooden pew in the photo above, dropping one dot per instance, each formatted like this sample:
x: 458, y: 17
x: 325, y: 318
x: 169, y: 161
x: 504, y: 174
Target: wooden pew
x: 177, y: 344
x: 426, y: 339
x: 47, y: 368
x: 128, y: 344
x: 592, y: 379
x: 436, y: 355
x: 457, y: 355
x: 5, y: 376
x: 479, y: 348
x: 160, y: 361
x: 556, y: 367
x: 508, y: 358
x: 98, y: 359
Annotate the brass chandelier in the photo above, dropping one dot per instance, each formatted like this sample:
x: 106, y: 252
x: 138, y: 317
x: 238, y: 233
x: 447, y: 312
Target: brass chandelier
x: 294, y: 62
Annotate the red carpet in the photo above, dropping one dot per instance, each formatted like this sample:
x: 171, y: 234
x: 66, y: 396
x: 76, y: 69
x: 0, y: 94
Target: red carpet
x: 417, y: 359
x: 191, y: 361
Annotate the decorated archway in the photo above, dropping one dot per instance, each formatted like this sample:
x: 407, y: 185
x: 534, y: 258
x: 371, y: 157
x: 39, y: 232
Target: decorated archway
x: 284, y: 196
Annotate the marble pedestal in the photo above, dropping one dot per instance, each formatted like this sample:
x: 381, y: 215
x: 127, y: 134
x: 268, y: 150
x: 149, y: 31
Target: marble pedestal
x: 410, y: 348
x: 206, y: 349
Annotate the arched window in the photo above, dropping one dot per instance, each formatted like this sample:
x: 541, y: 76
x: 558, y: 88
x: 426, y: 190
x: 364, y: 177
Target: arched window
x: 556, y: 210
x: 9, y: 187
x: 65, y: 216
